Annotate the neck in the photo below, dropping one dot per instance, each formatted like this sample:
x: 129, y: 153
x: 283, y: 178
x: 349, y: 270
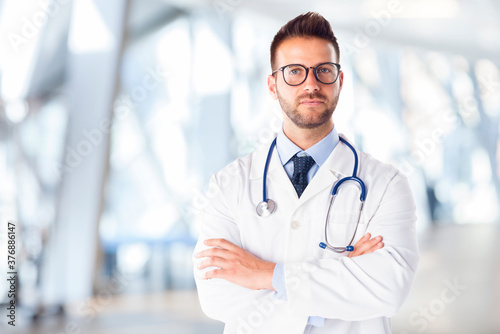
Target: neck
x: 305, y: 138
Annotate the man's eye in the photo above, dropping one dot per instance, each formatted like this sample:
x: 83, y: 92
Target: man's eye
x: 324, y: 70
x: 295, y: 70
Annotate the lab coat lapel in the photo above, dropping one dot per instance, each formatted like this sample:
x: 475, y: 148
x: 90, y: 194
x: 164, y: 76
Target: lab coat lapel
x: 277, y: 179
x: 338, y: 165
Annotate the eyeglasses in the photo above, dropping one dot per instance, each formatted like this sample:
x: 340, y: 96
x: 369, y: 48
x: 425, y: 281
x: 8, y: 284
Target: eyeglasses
x: 296, y: 74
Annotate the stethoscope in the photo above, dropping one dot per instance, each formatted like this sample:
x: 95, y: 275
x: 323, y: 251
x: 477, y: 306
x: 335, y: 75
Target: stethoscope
x: 268, y: 206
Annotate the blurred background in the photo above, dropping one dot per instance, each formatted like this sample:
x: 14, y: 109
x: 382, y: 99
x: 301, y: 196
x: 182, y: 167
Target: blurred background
x: 114, y: 114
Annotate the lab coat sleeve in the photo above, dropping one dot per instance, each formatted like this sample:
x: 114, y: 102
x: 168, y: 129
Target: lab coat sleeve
x: 280, y: 287
x: 219, y: 298
x: 368, y: 286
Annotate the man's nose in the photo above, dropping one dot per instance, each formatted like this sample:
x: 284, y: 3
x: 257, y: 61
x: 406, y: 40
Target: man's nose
x: 311, y: 83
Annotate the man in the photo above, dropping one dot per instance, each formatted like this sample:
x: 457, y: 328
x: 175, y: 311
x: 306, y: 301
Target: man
x: 267, y: 274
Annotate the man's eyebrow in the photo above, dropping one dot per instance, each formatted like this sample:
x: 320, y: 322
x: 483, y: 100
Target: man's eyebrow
x: 297, y: 63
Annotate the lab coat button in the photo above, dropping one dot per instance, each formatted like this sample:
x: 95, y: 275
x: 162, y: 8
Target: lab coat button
x: 295, y: 225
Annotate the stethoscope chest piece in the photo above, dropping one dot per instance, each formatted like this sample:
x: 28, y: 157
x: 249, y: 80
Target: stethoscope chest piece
x: 265, y: 209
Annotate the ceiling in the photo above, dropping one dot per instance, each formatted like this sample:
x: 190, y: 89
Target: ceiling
x: 468, y: 28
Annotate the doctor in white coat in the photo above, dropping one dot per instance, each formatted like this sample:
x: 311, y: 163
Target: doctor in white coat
x: 268, y: 274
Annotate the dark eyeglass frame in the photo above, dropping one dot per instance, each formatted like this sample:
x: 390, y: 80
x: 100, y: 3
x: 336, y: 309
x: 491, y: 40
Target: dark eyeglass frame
x: 307, y: 72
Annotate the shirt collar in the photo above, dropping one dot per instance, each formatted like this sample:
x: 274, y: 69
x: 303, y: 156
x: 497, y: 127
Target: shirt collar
x: 319, y: 151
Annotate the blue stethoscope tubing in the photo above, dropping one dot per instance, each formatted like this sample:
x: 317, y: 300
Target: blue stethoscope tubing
x: 267, y: 206
x: 362, y: 197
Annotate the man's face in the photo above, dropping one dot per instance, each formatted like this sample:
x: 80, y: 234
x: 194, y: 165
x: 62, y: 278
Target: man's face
x: 310, y: 104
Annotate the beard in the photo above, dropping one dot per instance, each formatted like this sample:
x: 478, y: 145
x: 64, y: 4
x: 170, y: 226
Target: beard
x: 309, y: 119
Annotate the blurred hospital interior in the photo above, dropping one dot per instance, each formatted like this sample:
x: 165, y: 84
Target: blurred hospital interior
x: 114, y: 114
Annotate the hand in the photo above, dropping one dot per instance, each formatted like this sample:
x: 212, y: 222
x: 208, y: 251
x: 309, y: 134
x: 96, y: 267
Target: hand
x: 236, y: 265
x: 365, y: 245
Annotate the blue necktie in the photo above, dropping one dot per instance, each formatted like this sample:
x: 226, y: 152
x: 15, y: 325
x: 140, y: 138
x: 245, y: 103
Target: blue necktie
x: 301, y: 166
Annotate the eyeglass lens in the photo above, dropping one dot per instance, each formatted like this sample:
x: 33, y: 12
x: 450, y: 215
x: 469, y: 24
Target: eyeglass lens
x: 296, y: 74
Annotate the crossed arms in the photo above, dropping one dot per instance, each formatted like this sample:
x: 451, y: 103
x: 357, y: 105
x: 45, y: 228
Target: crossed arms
x: 376, y: 276
x: 245, y: 269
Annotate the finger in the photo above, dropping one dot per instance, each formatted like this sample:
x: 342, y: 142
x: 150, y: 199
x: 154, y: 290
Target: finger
x: 358, y: 244
x: 367, y: 246
x: 213, y: 252
x: 216, y: 273
x: 221, y: 243
x: 363, y: 239
x: 358, y: 247
x: 376, y: 246
x: 370, y: 243
x: 212, y: 262
x: 363, y: 248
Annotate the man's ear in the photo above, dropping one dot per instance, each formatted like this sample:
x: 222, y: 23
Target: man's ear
x: 341, y: 80
x: 271, y: 85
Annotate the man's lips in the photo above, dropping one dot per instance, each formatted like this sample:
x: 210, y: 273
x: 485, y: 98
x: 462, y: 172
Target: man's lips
x: 311, y: 103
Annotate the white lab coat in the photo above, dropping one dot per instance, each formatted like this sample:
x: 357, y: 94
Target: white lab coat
x: 354, y: 295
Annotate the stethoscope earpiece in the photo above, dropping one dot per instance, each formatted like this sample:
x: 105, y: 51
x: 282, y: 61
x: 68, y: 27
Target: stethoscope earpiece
x: 339, y: 249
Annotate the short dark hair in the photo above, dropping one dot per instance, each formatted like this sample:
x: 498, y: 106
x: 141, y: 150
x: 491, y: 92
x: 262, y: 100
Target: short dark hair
x: 309, y: 24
